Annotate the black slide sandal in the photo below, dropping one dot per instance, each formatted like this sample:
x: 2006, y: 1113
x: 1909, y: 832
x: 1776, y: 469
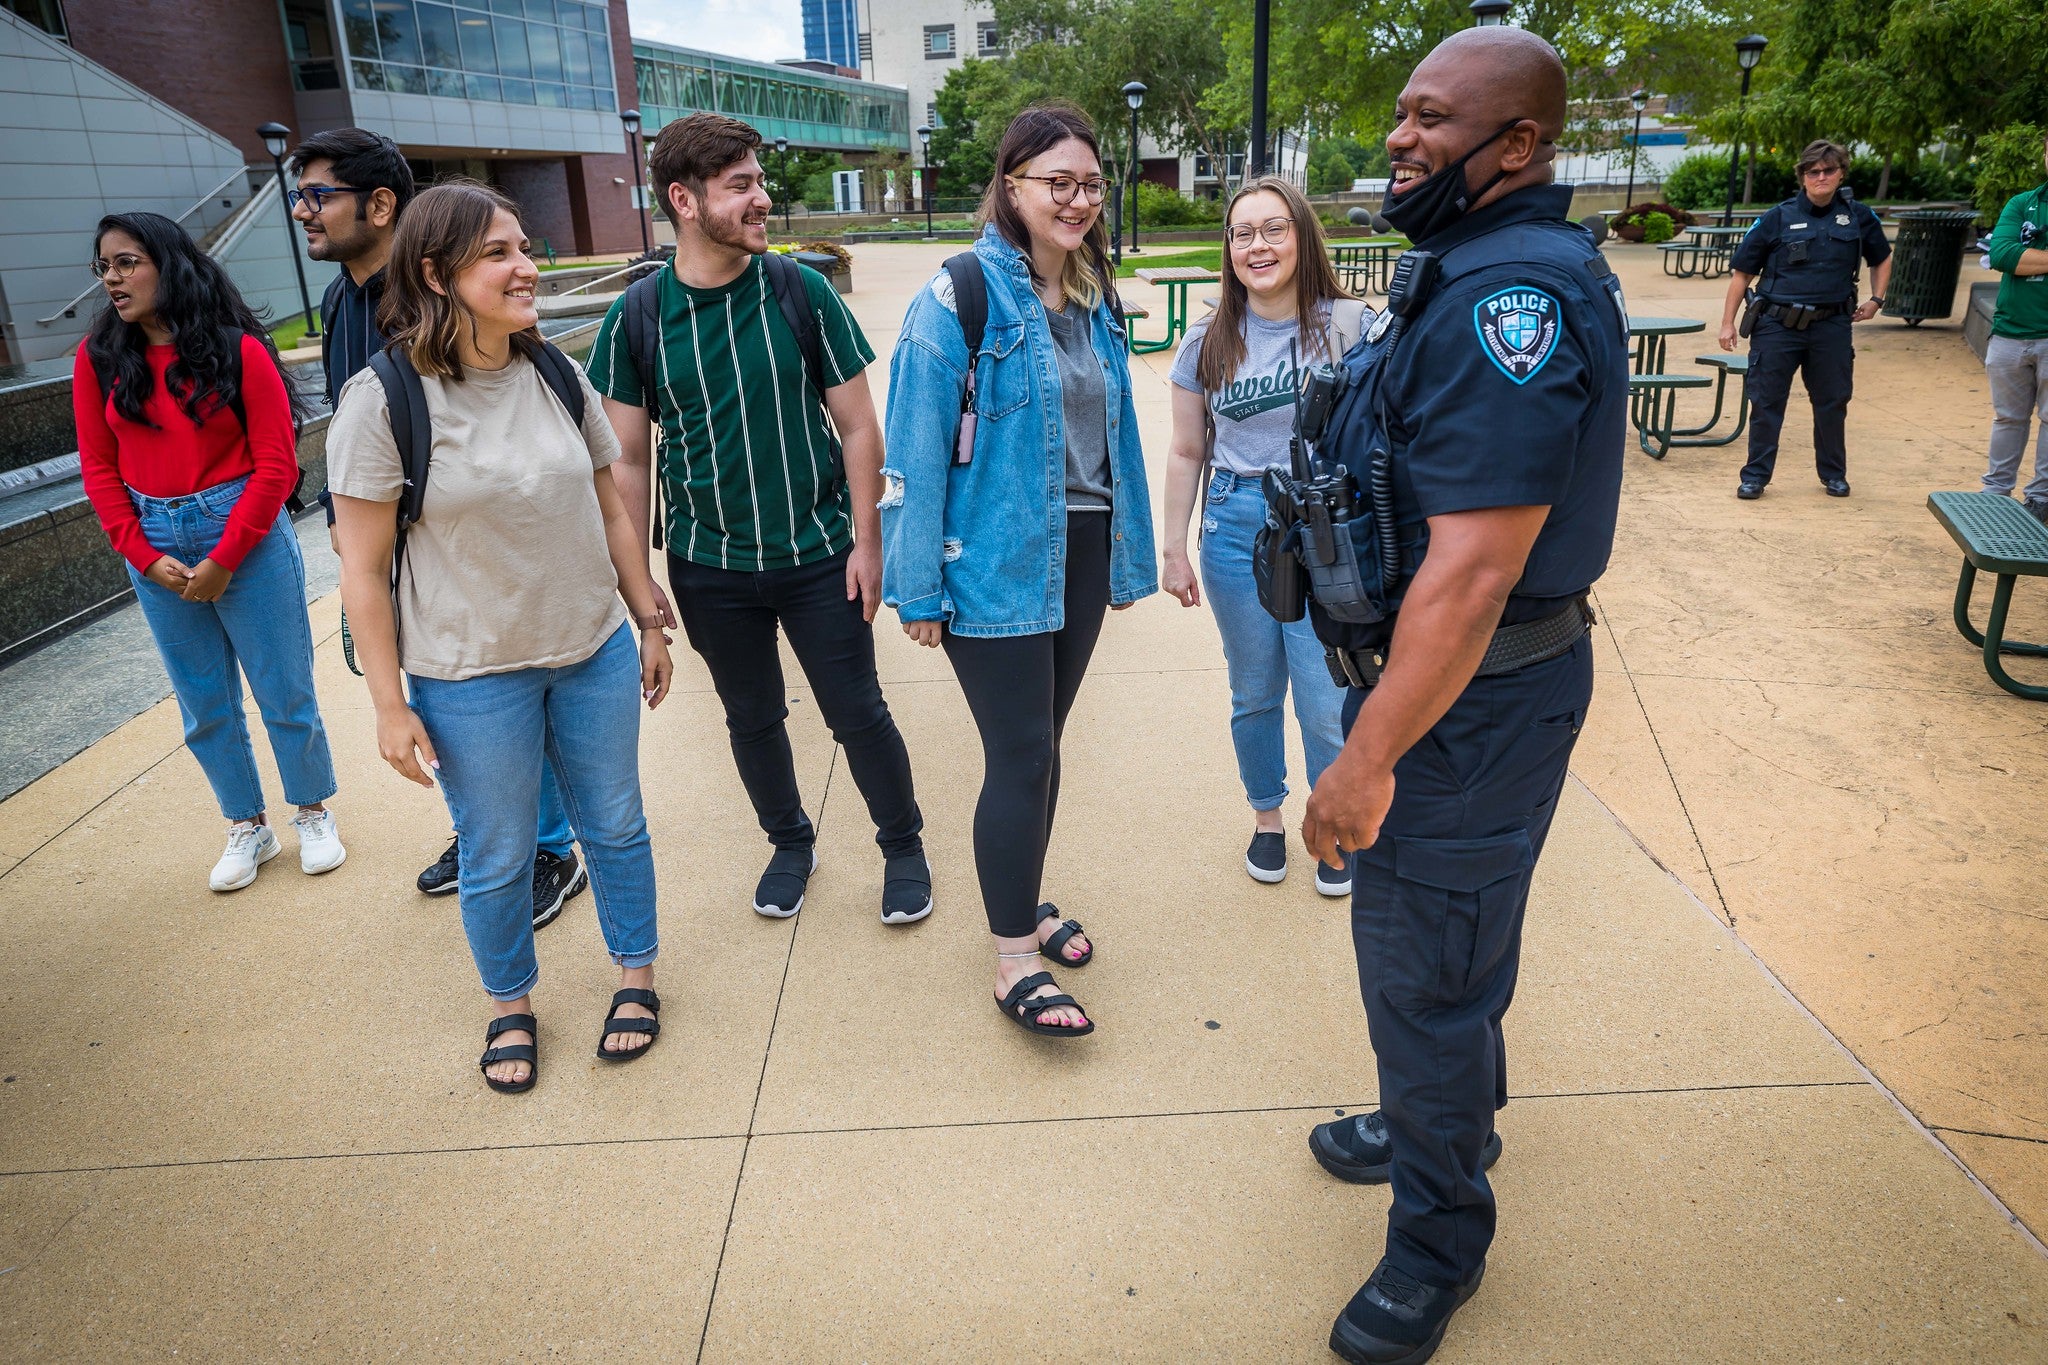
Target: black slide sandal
x: 1052, y: 946
x: 1024, y: 1013
x: 614, y: 1024
x: 511, y: 1052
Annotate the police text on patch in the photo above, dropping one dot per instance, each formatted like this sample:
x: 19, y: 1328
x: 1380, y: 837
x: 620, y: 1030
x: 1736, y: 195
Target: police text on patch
x: 1518, y: 328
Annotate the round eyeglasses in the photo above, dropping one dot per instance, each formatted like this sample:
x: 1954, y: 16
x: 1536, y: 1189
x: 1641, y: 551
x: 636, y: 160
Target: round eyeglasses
x: 1064, y: 186
x: 121, y: 267
x: 1274, y: 231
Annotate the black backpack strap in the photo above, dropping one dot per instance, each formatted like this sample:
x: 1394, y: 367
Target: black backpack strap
x: 412, y: 431
x: 294, y: 501
x: 793, y: 297
x: 970, y: 302
x: 559, y: 373
x: 641, y: 318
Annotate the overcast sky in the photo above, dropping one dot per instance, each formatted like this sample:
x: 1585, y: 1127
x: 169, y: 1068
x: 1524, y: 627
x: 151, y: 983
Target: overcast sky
x: 768, y: 30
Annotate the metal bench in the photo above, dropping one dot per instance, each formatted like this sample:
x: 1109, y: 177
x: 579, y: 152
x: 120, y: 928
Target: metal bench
x: 1723, y: 366
x: 1133, y: 312
x: 1997, y: 536
x: 1653, y: 403
x: 1683, y: 260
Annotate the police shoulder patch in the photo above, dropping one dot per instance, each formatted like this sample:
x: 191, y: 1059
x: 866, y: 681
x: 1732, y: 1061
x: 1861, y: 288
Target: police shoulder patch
x: 1517, y: 326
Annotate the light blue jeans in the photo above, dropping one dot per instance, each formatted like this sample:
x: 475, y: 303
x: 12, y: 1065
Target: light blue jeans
x: 257, y: 627
x: 491, y: 735
x: 1264, y: 656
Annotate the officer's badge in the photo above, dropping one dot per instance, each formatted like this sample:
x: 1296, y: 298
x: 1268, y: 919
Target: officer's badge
x: 1842, y: 219
x: 1518, y: 327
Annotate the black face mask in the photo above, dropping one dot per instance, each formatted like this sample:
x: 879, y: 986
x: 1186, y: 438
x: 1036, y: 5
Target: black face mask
x: 1440, y: 199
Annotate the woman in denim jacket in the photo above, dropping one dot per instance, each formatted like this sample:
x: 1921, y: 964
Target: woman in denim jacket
x: 1010, y: 557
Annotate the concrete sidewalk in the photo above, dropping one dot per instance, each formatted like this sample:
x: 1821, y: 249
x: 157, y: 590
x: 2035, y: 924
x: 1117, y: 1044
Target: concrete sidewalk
x: 250, y: 1127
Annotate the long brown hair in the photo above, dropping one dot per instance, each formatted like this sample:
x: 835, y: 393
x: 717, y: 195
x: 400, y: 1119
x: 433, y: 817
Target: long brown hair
x: 447, y: 225
x: 1315, y: 283
x: 1036, y: 129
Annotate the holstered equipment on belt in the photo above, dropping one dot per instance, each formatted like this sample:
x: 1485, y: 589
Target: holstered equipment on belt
x: 1794, y: 317
x: 1512, y: 647
x: 1751, y: 311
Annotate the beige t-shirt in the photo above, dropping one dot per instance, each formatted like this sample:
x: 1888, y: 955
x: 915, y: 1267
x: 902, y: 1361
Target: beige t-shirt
x: 507, y: 567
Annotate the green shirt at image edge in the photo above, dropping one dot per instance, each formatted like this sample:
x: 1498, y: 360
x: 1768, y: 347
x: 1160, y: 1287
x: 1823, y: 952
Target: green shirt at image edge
x: 744, y: 457
x: 2022, y: 299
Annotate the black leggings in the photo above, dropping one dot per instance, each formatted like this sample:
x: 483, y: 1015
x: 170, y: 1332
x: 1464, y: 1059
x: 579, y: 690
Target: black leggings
x: 1020, y: 688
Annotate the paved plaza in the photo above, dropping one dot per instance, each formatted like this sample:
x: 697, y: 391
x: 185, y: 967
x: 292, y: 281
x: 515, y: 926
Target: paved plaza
x: 1777, y: 1056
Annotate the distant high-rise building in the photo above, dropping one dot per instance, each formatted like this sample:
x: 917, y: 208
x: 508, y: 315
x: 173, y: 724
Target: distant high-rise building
x: 832, y: 32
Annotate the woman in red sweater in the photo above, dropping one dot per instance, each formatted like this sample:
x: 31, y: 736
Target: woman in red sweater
x: 188, y: 451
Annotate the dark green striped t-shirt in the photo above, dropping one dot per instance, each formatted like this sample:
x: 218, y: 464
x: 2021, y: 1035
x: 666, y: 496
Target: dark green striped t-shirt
x: 744, y: 462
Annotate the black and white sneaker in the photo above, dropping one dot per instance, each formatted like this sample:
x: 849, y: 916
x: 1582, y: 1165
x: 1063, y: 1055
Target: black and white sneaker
x: 780, y: 893
x: 1334, y: 881
x: 555, y: 880
x: 906, y: 889
x: 439, y: 880
x: 1266, y: 859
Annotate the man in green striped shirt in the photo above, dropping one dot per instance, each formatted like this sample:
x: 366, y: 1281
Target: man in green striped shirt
x: 768, y: 528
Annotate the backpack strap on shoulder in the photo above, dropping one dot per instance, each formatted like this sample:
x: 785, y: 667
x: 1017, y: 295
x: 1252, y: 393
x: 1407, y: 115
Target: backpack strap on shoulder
x: 793, y: 298
x: 412, y: 431
x: 559, y: 373
x: 970, y: 303
x: 642, y: 321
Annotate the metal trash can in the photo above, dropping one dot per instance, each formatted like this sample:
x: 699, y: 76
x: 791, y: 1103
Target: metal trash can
x: 1927, y: 260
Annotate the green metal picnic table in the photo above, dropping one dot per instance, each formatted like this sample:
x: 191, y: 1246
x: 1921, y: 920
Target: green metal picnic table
x: 1176, y: 279
x: 1651, y: 334
x: 1368, y: 265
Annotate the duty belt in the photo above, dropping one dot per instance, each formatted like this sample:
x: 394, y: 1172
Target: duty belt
x: 1787, y: 313
x: 1512, y: 647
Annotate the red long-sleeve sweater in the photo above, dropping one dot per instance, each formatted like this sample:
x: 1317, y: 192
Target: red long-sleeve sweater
x: 176, y: 458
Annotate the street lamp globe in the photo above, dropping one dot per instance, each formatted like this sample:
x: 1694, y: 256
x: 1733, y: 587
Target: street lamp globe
x: 275, y: 138
x: 1134, y: 95
x: 1488, y: 13
x: 924, y: 137
x: 1639, y: 99
x: 631, y: 118
x: 1749, y: 51
x: 782, y: 146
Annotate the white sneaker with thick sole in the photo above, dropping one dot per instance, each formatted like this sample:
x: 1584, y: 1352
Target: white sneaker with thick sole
x: 250, y: 846
x: 320, y: 847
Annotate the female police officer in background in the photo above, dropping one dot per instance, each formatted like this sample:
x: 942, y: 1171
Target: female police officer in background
x: 1803, y: 257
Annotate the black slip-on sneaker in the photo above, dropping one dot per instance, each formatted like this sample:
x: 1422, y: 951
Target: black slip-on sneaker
x: 1356, y: 1148
x: 439, y: 880
x: 1396, y: 1319
x: 1266, y: 859
x: 780, y: 893
x: 1334, y: 880
x: 555, y: 879
x: 906, y: 889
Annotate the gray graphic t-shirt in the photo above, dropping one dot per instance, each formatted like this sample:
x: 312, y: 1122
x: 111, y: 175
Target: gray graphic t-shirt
x: 1254, y: 412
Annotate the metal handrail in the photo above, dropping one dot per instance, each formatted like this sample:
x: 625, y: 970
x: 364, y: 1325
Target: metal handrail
x: 579, y: 288
x: 71, y: 309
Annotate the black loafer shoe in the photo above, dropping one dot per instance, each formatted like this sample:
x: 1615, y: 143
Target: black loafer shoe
x: 906, y: 889
x: 1356, y: 1149
x: 780, y: 892
x: 1395, y: 1319
x: 1266, y: 859
x: 1837, y: 488
x: 1749, y: 491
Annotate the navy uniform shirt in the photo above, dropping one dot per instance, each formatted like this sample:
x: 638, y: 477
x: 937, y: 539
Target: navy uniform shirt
x: 1510, y: 389
x: 351, y: 310
x: 1807, y: 255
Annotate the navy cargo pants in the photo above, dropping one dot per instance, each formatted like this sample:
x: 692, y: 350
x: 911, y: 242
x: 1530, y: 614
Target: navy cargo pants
x: 1826, y: 358
x: 1436, y: 917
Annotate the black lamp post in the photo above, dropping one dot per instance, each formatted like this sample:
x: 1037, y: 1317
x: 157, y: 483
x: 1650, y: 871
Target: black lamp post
x: 1640, y: 99
x: 1748, y: 52
x: 631, y: 118
x: 1487, y: 13
x: 924, y: 182
x: 782, y: 167
x: 1134, y: 95
x: 1262, y: 24
x: 274, y: 136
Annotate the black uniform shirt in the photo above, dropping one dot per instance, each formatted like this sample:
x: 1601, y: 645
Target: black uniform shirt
x: 1809, y: 255
x: 1510, y: 389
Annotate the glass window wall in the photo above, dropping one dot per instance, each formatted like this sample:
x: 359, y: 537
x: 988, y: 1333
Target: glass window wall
x: 810, y: 109
x: 553, y: 53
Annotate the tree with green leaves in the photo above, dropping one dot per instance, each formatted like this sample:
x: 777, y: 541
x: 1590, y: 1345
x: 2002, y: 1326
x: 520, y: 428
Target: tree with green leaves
x: 975, y: 104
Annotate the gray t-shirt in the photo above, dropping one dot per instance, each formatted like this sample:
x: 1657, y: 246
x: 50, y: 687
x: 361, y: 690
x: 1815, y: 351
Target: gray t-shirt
x: 1084, y: 402
x: 1254, y: 412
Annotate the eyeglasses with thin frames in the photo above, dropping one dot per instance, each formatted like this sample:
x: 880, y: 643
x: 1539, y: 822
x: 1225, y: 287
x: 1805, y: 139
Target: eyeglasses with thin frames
x: 1274, y: 230
x: 1819, y: 172
x: 121, y: 267
x: 1064, y: 186
x: 315, y: 196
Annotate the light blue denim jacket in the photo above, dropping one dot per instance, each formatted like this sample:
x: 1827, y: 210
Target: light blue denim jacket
x: 982, y: 546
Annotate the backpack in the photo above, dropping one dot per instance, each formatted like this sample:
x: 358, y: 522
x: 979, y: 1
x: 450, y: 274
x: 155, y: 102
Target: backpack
x: 294, y: 503
x: 412, y: 429
x: 642, y: 323
x: 970, y: 305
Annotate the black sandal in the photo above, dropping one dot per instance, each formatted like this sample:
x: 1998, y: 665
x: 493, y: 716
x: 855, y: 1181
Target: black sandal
x: 1068, y: 928
x: 614, y: 1024
x: 511, y: 1052
x: 1025, y: 1013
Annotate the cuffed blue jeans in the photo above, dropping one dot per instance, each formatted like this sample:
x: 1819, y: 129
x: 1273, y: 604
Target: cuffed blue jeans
x: 256, y: 627
x: 1264, y: 656
x: 491, y: 734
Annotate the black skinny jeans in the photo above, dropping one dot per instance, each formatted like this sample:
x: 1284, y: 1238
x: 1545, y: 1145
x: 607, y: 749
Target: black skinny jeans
x: 731, y: 618
x: 1020, y: 688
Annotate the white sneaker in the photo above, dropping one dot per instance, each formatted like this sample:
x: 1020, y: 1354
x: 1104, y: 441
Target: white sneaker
x: 250, y: 845
x: 320, y: 847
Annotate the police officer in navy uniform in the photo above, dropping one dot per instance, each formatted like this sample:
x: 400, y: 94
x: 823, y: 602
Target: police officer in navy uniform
x: 1803, y: 257
x: 1500, y: 399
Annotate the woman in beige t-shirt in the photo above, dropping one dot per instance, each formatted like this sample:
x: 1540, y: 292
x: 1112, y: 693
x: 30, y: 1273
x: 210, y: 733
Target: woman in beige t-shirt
x: 508, y: 625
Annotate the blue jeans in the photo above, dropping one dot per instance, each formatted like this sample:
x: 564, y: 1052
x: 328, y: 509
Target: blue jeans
x: 494, y: 735
x: 1264, y: 656
x: 258, y: 625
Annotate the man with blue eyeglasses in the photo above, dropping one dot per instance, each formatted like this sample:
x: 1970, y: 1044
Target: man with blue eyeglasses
x: 352, y: 186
